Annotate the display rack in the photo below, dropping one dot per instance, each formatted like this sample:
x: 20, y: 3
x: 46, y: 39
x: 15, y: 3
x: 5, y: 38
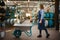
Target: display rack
x: 50, y: 17
x: 2, y: 19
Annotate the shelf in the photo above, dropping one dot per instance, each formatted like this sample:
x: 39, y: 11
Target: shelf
x: 49, y: 18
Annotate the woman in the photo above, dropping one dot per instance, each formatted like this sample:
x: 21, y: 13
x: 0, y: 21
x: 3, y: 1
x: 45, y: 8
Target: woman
x: 41, y: 22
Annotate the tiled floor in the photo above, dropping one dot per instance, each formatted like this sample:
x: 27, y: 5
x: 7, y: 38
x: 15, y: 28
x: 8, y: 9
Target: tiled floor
x: 54, y: 35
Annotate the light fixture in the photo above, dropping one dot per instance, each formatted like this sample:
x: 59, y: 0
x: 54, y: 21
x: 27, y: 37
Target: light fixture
x: 7, y: 1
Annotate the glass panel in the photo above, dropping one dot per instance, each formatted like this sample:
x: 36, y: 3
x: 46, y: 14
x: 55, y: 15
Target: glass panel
x: 25, y: 9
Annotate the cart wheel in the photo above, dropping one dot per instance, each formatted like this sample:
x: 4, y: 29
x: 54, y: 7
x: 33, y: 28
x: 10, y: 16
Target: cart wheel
x: 17, y: 33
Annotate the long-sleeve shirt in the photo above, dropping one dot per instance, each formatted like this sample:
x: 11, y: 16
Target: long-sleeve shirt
x: 41, y: 14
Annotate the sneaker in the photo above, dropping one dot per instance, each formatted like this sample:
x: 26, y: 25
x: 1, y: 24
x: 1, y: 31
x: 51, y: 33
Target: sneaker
x: 39, y: 36
x: 47, y: 35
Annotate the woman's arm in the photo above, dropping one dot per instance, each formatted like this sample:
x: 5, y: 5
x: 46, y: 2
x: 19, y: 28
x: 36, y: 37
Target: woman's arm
x: 42, y: 15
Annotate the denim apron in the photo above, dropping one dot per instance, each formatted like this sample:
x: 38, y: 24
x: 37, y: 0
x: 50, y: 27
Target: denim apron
x: 41, y: 26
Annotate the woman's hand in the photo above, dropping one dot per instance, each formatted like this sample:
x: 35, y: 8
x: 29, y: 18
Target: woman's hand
x: 40, y: 21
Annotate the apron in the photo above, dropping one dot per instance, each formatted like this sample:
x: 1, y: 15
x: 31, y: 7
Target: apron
x: 41, y: 26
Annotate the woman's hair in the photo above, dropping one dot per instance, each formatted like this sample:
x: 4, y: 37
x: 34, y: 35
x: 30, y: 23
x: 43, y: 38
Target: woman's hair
x: 41, y: 6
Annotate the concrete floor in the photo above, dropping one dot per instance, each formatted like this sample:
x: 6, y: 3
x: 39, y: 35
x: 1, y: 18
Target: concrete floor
x: 54, y: 35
